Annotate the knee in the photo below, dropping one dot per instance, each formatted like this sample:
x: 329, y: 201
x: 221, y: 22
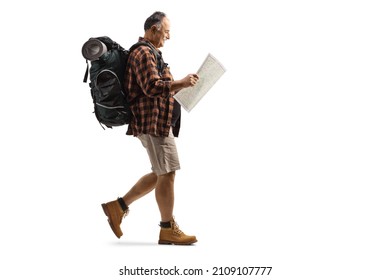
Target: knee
x: 167, y: 177
x: 153, y: 176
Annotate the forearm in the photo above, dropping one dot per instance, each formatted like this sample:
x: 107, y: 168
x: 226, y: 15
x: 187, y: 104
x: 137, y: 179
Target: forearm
x: 158, y: 88
x: 189, y: 81
x: 177, y: 85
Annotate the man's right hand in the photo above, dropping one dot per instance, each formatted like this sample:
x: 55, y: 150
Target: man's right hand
x: 189, y: 81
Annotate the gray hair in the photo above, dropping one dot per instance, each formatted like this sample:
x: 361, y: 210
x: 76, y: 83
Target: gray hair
x: 154, y: 19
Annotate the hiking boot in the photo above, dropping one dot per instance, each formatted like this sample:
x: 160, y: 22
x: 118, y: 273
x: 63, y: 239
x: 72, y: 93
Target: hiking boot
x: 173, y: 235
x: 115, y: 214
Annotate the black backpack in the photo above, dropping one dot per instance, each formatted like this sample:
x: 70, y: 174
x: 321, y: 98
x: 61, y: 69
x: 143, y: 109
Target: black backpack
x: 107, y: 79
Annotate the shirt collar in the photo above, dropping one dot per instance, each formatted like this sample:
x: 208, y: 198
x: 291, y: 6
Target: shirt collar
x: 142, y: 39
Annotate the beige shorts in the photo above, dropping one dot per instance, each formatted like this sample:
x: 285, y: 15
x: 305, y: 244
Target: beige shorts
x: 162, y: 152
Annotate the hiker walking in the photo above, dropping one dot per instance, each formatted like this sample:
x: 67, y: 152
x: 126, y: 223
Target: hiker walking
x: 155, y: 122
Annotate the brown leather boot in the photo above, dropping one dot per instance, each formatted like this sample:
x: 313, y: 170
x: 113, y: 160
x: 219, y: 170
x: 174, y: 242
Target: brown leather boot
x: 115, y: 214
x: 174, y: 235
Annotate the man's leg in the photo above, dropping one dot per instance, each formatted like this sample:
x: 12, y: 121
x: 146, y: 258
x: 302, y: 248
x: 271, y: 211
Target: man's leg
x: 170, y: 232
x: 145, y: 185
x: 165, y: 195
x: 117, y: 209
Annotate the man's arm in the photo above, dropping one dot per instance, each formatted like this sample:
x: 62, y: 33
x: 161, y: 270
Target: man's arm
x: 150, y: 81
x: 144, y: 66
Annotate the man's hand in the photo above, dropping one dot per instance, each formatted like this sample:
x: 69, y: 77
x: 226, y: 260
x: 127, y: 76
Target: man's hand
x: 189, y: 81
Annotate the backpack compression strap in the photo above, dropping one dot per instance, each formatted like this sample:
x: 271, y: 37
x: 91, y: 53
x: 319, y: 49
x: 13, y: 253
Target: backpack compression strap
x: 160, y: 66
x: 86, y: 72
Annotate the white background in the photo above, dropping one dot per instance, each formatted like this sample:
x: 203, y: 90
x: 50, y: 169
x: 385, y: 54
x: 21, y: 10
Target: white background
x: 285, y: 162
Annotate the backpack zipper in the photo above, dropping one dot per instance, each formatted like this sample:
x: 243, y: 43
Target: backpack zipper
x: 107, y: 107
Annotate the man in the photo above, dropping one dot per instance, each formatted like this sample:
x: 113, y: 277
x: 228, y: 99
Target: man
x: 156, y: 121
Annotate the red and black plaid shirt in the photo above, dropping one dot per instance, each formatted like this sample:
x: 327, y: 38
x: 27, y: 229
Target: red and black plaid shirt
x: 149, y: 94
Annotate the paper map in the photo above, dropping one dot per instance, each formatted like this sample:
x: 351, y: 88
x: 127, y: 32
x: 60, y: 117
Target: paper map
x: 209, y: 73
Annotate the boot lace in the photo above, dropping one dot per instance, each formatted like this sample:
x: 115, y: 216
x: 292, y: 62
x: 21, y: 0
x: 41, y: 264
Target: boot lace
x: 176, y: 228
x: 125, y: 213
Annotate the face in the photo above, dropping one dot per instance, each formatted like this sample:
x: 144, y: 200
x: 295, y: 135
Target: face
x: 162, y: 34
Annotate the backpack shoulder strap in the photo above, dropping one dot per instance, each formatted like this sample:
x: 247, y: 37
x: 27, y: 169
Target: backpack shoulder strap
x: 160, y: 62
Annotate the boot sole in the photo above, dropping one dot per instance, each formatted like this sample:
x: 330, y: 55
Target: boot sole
x: 165, y: 242
x: 104, y: 206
